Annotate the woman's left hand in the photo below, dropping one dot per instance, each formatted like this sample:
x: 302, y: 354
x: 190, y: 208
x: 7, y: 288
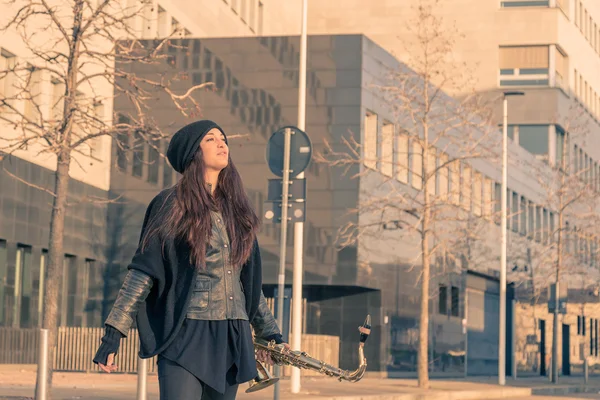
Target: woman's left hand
x: 264, y: 356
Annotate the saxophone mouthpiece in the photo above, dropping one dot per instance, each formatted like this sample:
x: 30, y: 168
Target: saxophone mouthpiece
x: 365, y: 329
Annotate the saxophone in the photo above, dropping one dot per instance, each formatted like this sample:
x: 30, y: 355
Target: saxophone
x: 299, y: 359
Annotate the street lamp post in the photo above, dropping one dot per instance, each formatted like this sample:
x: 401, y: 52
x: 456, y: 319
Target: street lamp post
x: 502, y: 322
x: 297, y: 312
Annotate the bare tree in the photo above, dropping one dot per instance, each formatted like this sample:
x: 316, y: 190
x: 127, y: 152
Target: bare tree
x: 437, y: 139
x: 562, y: 242
x: 82, y: 50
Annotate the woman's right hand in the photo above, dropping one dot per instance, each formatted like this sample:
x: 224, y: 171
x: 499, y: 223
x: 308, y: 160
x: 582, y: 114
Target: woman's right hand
x: 110, y: 366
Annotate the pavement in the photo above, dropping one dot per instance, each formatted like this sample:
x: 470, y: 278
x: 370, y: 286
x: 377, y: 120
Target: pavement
x: 18, y: 382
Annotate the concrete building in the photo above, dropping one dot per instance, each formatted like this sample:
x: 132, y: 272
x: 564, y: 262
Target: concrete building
x: 257, y: 83
x: 24, y: 221
x: 550, y: 50
x: 256, y: 94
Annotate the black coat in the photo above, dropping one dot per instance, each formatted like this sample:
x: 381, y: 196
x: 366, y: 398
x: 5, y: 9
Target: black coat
x: 162, y: 314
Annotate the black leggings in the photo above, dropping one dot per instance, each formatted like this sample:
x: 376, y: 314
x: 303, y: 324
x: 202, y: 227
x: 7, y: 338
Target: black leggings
x: 177, y: 383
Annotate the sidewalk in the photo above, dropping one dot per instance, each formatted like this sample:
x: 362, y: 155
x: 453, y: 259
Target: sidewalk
x: 20, y: 381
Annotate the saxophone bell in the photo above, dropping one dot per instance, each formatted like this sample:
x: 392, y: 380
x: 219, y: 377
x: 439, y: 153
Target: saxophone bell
x: 262, y: 380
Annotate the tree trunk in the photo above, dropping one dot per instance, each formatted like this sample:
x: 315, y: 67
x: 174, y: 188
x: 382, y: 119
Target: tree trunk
x: 423, y: 361
x: 559, y: 250
x: 55, y: 271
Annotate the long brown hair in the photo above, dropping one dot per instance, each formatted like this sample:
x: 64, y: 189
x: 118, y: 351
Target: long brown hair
x: 189, y: 216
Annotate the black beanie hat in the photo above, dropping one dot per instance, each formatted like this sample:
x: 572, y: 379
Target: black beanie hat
x: 186, y: 141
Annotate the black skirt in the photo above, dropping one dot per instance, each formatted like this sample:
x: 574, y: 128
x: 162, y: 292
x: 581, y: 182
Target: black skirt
x: 218, y: 353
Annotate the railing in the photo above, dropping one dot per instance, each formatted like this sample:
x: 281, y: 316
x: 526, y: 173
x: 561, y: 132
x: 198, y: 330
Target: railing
x: 18, y: 346
x: 76, y: 348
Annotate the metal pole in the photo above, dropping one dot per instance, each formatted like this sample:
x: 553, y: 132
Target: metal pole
x: 514, y: 339
x: 142, y: 375
x: 283, y: 240
x: 42, y: 367
x: 554, y: 372
x: 466, y: 329
x: 297, y: 301
x: 502, y: 322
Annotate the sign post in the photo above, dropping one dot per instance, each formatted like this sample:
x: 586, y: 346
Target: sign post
x: 289, y: 151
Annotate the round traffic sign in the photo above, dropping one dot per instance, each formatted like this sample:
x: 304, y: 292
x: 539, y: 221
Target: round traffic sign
x: 300, y: 151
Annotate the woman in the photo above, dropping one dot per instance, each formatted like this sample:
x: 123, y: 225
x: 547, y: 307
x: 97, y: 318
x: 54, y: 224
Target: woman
x: 194, y: 284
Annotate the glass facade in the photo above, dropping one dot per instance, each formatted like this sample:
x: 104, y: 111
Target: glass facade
x: 256, y: 92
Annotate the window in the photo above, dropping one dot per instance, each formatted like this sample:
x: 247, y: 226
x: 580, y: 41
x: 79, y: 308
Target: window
x: 575, y: 236
x: 525, y: 3
x: 163, y: 23
x: 511, y: 132
x: 40, y: 286
x: 387, y: 149
x: 431, y: 172
x: 561, y: 145
x: 7, y: 62
x: 137, y: 168
x: 534, y: 139
x: 477, y: 187
x: 167, y: 169
x: 33, y: 93
x: 523, y: 215
x: 586, y: 168
x: 524, y: 66
x: 96, y: 145
x: 498, y: 202
x: 153, y: 163
x: 84, y: 280
x: 596, y: 337
x: 455, y: 310
x: 546, y: 227
x: 4, y: 296
x: 538, y: 224
x: 561, y: 68
x: 530, y: 219
x: 21, y: 285
x: 402, y: 158
x: 514, y: 210
x: 455, y: 182
x: 591, y: 336
x: 466, y: 187
x: 488, y: 202
x: 68, y: 291
x: 58, y: 92
x: 417, y: 165
x: 443, y: 300
x: 370, y: 141
x: 552, y: 227
x: 122, y: 143
x: 95, y: 284
x: 443, y: 184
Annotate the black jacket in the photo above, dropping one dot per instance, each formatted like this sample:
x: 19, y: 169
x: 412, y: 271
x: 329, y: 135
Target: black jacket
x: 160, y: 316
